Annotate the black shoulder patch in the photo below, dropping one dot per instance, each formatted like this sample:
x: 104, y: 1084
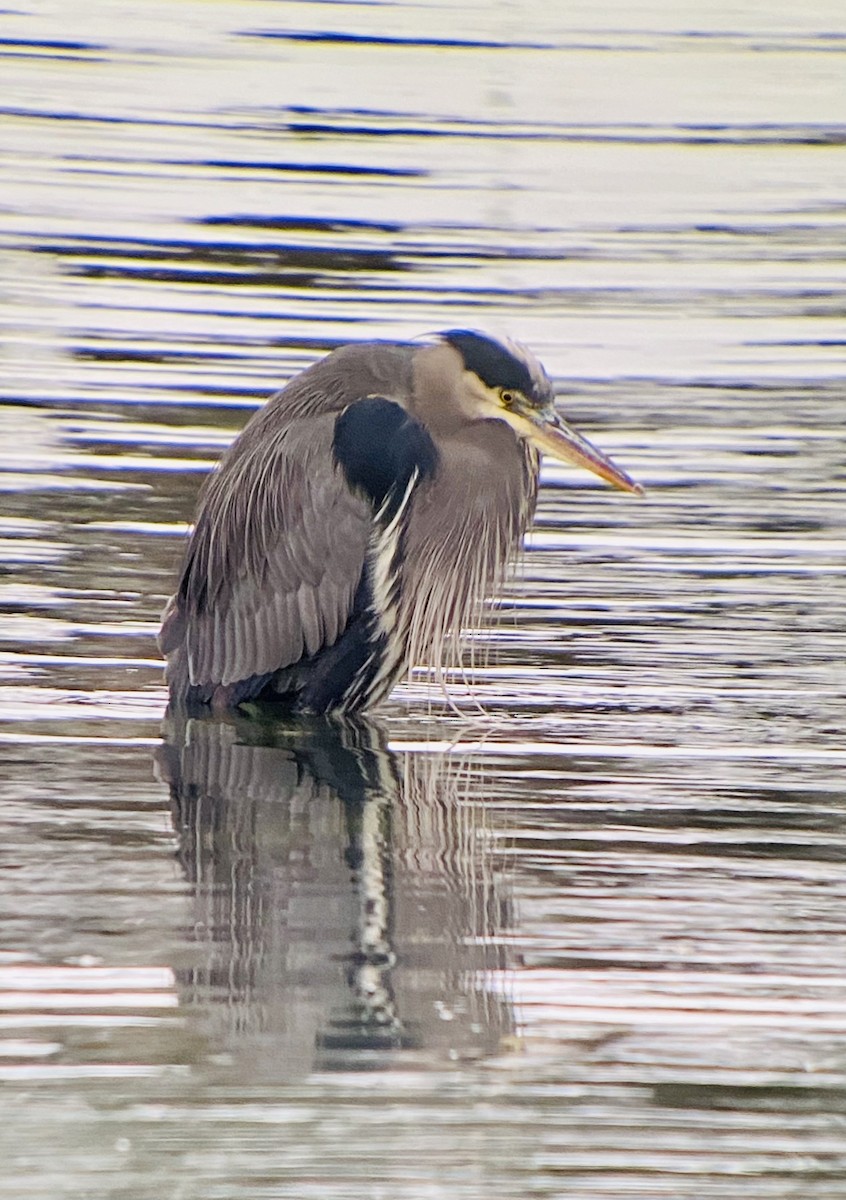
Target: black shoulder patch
x: 379, y: 446
x: 494, y: 363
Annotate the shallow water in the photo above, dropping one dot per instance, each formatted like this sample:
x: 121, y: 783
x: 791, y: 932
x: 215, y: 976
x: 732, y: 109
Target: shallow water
x: 589, y: 941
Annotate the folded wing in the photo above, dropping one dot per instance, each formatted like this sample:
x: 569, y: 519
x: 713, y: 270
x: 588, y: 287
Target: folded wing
x: 273, y: 564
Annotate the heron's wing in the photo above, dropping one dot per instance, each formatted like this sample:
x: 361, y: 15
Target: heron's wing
x: 274, y: 562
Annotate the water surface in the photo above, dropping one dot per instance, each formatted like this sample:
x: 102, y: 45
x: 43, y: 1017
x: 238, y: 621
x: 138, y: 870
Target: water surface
x: 580, y: 934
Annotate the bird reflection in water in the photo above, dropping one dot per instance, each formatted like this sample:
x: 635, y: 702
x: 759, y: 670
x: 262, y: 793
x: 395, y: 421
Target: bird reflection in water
x: 345, y: 905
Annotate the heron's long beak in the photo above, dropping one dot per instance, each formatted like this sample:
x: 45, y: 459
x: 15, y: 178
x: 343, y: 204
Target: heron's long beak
x: 549, y: 433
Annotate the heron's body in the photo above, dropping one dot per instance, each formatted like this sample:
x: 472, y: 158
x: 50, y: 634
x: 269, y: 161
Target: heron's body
x: 357, y: 522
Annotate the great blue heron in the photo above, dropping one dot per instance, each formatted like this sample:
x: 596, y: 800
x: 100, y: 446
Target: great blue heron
x: 359, y: 519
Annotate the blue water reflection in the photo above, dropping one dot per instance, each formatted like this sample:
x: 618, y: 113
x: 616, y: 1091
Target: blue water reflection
x: 578, y: 931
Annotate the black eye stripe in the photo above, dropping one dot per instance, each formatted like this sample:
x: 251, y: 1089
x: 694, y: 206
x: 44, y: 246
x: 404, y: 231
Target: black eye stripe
x: 496, y: 366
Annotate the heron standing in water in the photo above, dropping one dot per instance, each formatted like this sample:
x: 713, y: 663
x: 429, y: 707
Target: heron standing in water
x: 356, y: 524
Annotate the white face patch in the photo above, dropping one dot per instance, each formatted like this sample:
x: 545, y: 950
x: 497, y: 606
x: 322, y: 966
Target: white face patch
x: 486, y: 403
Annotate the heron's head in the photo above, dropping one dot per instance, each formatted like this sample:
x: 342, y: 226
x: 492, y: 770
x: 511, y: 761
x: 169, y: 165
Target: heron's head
x: 504, y: 380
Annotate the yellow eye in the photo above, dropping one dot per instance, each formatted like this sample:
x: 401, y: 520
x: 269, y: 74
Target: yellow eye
x: 506, y: 397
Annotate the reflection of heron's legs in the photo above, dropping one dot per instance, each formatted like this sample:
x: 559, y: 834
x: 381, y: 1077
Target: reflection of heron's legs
x: 374, y: 1019
x: 368, y: 857
x: 343, y: 902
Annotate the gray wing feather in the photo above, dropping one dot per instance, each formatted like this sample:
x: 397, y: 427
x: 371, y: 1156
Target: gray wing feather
x: 277, y: 553
x: 271, y: 574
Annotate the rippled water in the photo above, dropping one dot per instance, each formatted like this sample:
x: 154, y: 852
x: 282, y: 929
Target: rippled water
x: 590, y: 941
